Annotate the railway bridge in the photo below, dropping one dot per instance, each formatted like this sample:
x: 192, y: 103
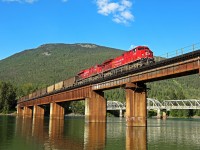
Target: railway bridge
x: 133, y: 82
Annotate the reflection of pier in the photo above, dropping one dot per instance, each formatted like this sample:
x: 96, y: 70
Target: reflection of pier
x: 57, y: 138
x: 136, y: 138
x: 63, y: 134
x: 94, y: 136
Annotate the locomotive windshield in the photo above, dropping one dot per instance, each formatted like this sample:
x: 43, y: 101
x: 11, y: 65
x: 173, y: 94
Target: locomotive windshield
x: 143, y: 48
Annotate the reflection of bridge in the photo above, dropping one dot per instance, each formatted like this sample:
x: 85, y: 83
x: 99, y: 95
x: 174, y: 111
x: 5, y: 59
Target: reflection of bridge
x: 153, y: 104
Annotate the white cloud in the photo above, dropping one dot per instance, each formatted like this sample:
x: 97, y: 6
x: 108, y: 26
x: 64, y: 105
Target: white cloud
x: 21, y: 1
x: 120, y: 10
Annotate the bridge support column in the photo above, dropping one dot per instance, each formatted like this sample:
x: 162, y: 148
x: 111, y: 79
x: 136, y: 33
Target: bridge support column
x: 19, y: 111
x: 120, y: 113
x: 28, y: 112
x: 95, y: 107
x: 164, y: 115
x: 199, y: 71
x: 136, y: 113
x: 158, y: 114
x: 56, y: 111
x: 38, y: 111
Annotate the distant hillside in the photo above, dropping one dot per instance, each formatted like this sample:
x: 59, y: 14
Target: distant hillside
x: 52, y: 63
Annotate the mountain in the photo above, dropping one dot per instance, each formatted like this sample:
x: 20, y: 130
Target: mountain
x: 51, y: 63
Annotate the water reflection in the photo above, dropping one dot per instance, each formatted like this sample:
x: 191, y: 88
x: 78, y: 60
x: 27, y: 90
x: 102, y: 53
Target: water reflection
x: 57, y: 138
x: 56, y: 129
x: 177, y: 133
x: 136, y: 138
x: 74, y: 133
x: 94, y: 136
x: 26, y: 127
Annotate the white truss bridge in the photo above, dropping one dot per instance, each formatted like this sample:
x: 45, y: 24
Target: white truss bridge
x: 153, y: 104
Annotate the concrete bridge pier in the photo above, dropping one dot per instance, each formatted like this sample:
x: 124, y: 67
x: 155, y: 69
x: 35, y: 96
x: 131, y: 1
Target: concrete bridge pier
x: 56, y: 111
x: 199, y: 65
x: 28, y: 111
x: 120, y: 113
x: 158, y: 114
x: 136, y: 113
x: 19, y: 111
x: 95, y: 107
x: 38, y: 111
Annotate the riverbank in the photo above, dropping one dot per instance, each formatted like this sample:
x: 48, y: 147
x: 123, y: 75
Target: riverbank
x: 9, y: 114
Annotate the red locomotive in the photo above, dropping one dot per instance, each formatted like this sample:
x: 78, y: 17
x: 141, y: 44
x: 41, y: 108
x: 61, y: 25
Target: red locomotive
x: 136, y: 57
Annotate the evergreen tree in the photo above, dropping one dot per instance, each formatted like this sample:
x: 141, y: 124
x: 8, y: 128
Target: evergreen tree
x: 7, y: 97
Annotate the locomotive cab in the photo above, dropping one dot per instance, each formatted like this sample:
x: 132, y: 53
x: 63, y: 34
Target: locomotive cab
x: 144, y: 54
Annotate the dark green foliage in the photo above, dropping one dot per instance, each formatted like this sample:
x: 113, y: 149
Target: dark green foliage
x: 196, y: 112
x: 115, y: 95
x: 174, y: 89
x: 151, y: 113
x: 7, y: 97
x: 181, y: 113
x: 78, y: 107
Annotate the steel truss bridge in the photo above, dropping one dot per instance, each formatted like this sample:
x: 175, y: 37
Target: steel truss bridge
x: 153, y: 104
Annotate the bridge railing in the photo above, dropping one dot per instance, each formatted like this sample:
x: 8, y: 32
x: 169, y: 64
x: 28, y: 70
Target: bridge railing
x: 153, y: 104
x: 178, y: 52
x: 181, y: 104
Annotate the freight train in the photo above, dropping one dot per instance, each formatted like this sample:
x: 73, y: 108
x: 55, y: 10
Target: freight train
x: 136, y: 57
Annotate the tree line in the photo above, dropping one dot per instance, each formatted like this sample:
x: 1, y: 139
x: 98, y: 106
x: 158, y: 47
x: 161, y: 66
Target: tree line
x: 165, y: 91
x: 8, y: 97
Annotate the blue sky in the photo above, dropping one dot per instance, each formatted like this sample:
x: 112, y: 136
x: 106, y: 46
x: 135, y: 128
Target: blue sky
x: 163, y: 25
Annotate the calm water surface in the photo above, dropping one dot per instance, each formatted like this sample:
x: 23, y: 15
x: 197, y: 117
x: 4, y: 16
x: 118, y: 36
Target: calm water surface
x: 73, y: 133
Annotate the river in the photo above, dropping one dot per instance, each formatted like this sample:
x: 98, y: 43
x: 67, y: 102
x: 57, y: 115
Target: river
x: 72, y: 133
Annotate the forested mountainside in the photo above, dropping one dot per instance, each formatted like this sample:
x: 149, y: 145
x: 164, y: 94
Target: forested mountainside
x: 51, y: 63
